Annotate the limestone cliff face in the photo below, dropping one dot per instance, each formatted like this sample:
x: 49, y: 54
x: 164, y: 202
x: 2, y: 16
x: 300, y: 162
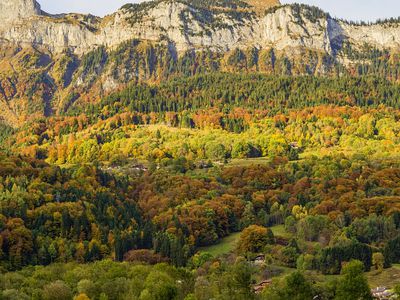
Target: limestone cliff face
x: 14, y: 10
x: 187, y: 27
x: 381, y: 35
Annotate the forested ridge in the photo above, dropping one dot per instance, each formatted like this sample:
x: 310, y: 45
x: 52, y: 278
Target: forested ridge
x: 227, y: 91
x: 40, y: 85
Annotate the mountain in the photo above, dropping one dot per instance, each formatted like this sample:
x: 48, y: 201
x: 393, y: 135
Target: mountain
x: 52, y: 62
x: 202, y: 24
x: 195, y: 135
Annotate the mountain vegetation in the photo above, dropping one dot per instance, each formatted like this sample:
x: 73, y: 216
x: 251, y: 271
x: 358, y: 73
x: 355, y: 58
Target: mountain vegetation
x: 121, y: 167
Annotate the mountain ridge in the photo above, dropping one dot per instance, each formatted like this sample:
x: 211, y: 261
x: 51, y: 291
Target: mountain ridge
x: 189, y: 26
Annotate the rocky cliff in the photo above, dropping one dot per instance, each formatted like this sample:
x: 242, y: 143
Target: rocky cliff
x: 50, y: 62
x: 13, y: 10
x: 190, y: 24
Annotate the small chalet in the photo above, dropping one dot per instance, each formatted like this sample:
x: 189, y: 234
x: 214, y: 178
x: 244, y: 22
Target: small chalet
x: 259, y: 260
x: 259, y: 287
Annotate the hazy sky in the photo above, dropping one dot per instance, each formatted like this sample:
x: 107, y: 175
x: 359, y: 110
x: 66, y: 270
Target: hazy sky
x: 367, y: 10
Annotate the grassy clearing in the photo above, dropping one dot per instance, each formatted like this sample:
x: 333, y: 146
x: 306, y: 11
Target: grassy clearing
x: 245, y: 162
x: 228, y: 244
x: 279, y: 230
x: 224, y: 246
x: 388, y: 277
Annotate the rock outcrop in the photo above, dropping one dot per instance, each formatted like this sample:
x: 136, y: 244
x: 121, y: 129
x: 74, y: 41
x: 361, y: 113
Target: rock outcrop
x: 12, y: 11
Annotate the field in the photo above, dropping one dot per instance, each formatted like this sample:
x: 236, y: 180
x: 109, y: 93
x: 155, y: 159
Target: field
x: 388, y: 277
x: 279, y: 230
x: 245, y: 162
x: 225, y: 246
x: 228, y: 244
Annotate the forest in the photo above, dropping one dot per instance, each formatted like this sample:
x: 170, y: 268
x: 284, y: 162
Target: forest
x: 251, y: 174
x: 123, y: 203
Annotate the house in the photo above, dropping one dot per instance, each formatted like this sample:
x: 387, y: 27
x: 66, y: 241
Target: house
x: 259, y: 287
x: 259, y: 260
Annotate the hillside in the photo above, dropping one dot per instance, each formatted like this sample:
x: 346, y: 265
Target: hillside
x: 50, y: 63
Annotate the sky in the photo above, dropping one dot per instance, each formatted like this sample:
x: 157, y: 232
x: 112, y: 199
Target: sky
x: 355, y: 10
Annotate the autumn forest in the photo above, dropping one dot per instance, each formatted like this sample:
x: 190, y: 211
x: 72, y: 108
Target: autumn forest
x: 251, y: 174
